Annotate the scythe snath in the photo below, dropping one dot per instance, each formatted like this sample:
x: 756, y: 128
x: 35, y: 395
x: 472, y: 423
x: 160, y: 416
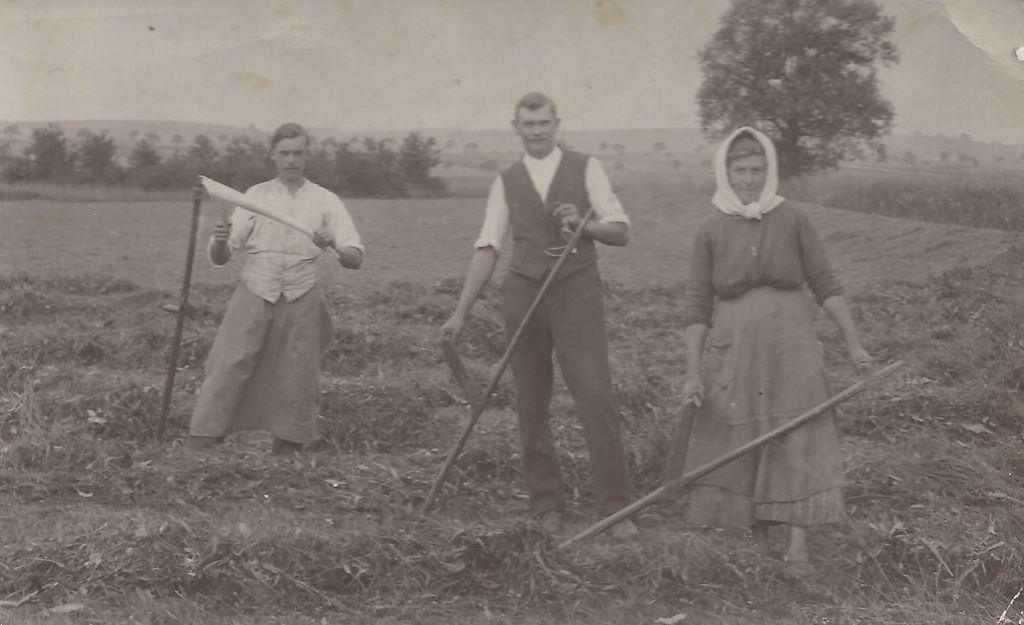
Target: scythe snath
x: 184, y: 309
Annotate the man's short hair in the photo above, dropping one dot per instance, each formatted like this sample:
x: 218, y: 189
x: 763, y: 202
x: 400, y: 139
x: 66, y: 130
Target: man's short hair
x: 288, y: 131
x: 534, y: 101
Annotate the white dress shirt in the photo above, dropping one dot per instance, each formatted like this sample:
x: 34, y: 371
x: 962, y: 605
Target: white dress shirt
x: 607, y: 207
x: 281, y: 260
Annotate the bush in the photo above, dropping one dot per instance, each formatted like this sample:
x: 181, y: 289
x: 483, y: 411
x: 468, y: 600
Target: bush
x: 360, y: 168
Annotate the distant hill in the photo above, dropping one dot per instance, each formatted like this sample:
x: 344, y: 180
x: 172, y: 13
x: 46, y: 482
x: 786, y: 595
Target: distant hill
x: 171, y: 136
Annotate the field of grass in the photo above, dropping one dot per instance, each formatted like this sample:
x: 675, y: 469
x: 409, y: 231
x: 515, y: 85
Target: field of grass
x: 101, y: 524
x: 987, y: 198
x: 982, y: 197
x: 86, y: 193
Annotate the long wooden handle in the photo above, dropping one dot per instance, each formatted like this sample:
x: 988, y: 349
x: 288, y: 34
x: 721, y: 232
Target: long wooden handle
x: 676, y: 461
x: 183, y: 311
x: 687, y: 479
x: 478, y: 409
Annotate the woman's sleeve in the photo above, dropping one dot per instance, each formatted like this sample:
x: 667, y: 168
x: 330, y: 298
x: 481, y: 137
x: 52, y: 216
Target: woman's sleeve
x: 818, y: 272
x: 700, y: 292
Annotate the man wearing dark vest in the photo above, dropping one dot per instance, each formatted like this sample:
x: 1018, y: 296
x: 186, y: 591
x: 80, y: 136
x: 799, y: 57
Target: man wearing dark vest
x: 541, y: 198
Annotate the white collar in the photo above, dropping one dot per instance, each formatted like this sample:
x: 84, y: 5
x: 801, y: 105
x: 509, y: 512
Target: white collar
x: 283, y: 188
x: 552, y: 157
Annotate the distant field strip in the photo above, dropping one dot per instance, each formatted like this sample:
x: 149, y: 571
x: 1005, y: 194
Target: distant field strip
x: 431, y: 240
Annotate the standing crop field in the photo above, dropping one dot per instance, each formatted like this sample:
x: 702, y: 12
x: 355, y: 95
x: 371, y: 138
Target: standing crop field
x: 983, y: 198
x: 103, y: 524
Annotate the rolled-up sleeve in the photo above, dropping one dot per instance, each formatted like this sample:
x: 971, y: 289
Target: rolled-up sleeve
x: 340, y: 223
x: 607, y: 207
x: 495, y: 228
x: 820, y: 276
x: 698, y: 300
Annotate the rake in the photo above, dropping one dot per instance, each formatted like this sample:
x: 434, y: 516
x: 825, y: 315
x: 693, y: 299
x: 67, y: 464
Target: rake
x: 677, y: 485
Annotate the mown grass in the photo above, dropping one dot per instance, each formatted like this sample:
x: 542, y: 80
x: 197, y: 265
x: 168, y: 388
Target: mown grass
x: 100, y: 518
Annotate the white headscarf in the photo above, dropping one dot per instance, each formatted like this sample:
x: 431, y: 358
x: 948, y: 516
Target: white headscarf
x: 726, y: 199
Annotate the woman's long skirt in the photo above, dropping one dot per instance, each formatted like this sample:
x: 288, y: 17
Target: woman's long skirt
x: 263, y: 371
x: 763, y: 367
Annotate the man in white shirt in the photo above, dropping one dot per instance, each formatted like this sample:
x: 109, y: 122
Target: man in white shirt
x: 540, y: 199
x: 263, y: 371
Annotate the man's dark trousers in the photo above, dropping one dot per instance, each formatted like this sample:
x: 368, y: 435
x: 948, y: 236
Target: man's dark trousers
x: 570, y: 322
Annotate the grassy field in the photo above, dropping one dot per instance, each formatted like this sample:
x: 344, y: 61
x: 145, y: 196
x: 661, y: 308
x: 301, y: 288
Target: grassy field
x: 983, y: 197
x: 101, y: 524
x: 988, y: 198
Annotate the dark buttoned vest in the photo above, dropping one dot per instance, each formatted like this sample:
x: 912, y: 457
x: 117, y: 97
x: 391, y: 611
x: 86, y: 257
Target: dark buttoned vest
x: 534, y: 230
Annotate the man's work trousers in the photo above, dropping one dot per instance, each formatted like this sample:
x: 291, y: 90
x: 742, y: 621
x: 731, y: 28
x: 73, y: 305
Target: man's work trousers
x: 570, y: 322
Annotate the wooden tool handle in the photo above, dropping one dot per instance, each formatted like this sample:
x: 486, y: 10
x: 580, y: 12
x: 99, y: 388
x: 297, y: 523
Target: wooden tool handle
x: 746, y: 448
x: 509, y: 350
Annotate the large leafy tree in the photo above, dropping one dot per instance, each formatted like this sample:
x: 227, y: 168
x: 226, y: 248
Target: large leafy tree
x: 802, y: 71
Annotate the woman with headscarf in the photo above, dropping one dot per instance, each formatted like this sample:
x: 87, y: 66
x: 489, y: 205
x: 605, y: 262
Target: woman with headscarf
x: 763, y: 365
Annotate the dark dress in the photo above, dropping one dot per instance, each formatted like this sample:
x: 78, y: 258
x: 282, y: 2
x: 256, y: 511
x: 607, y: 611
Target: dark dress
x: 762, y: 366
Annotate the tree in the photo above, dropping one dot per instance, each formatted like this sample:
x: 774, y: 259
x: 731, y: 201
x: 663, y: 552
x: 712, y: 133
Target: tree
x: 5, y: 158
x: 144, y: 156
x: 13, y: 168
x: 802, y: 71
x: 417, y: 157
x: 48, y: 155
x: 153, y: 137
x: 134, y: 134
x: 177, y: 138
x: 96, y: 158
x: 12, y: 129
x: 603, y: 146
x: 204, y: 153
x: 245, y: 163
x: 659, y: 146
x: 944, y: 156
x: 368, y: 168
x: 83, y: 133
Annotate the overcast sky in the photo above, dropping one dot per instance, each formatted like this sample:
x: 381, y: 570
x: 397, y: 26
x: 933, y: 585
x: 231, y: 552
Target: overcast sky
x: 359, y: 65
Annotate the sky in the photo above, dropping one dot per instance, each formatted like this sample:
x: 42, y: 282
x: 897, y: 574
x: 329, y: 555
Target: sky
x: 365, y: 65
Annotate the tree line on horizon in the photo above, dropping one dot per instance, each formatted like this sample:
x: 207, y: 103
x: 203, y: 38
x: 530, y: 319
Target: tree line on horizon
x: 362, y: 167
